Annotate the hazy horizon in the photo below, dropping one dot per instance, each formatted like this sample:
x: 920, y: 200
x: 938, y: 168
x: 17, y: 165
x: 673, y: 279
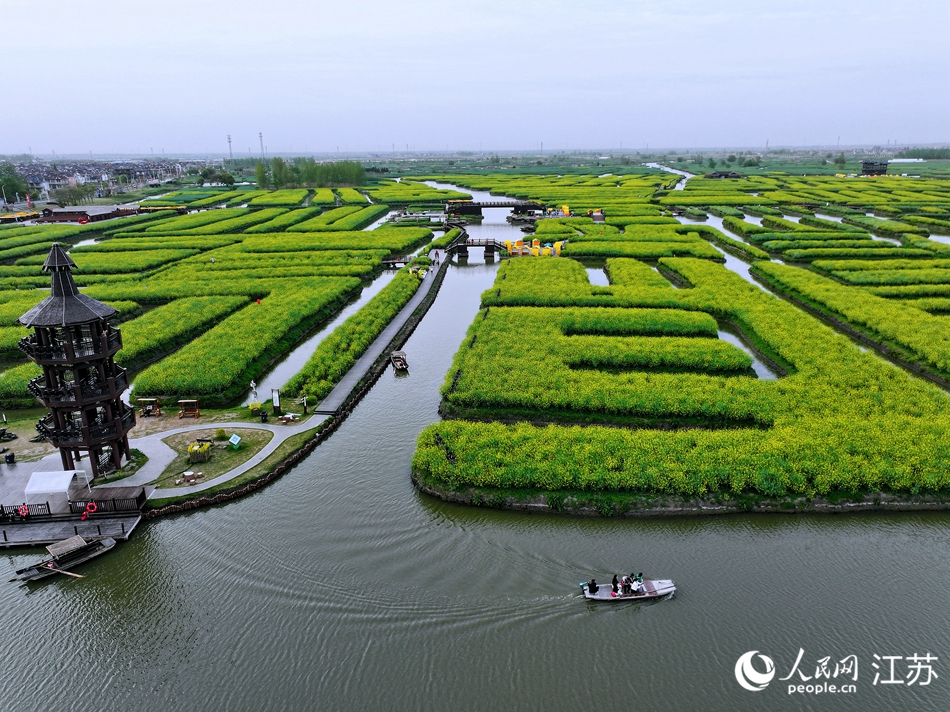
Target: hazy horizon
x: 375, y: 77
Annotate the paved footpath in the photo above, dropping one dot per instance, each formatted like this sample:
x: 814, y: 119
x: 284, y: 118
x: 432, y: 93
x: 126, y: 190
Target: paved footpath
x: 341, y: 391
x: 161, y: 455
x: 14, y: 478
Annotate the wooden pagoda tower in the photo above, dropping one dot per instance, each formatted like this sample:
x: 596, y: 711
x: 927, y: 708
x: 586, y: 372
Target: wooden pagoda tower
x: 81, y: 384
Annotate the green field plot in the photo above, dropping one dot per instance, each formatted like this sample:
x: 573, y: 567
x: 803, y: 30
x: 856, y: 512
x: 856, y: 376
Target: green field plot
x: 119, y: 262
x: 618, y: 195
x: 218, y: 365
x: 349, y: 217
x: 285, y: 221
x: 323, y: 196
x: 132, y: 242
x: 405, y: 192
x: 392, y: 239
x: 223, y: 197
x: 194, y: 220
x: 933, y: 225
x: 290, y: 198
x: 759, y: 238
x: 167, y: 327
x: 920, y: 337
x: 351, y: 195
x: 643, y: 249
x: 886, y: 275
x: 237, y: 224
x: 840, y: 420
x: 337, y: 353
x: 884, y: 227
x: 845, y: 253
x: 822, y: 224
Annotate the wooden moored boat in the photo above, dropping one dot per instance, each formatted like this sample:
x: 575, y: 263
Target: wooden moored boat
x: 650, y: 588
x: 64, y: 555
x: 398, y: 360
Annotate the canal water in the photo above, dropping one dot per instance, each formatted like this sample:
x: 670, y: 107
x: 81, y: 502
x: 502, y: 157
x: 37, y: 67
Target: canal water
x: 340, y: 587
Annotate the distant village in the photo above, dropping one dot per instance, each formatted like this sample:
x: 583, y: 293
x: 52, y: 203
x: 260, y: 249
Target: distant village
x: 110, y: 177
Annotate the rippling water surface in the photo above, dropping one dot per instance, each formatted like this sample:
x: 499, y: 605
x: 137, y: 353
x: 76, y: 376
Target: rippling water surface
x: 339, y: 587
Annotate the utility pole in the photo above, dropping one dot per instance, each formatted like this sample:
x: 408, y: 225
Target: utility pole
x: 260, y: 135
x: 230, y: 152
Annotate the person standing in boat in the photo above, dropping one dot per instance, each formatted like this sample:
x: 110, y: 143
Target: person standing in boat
x: 626, y: 585
x: 614, y: 585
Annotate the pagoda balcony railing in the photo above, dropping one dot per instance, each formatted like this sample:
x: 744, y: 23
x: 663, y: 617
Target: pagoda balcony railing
x: 60, y: 436
x: 71, y: 351
x: 85, y: 435
x: 109, y: 389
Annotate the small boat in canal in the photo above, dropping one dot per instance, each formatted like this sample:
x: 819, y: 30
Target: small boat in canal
x: 65, y: 555
x: 647, y: 589
x: 398, y: 360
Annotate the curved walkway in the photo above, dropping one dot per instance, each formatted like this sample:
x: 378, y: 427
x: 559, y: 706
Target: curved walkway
x: 161, y: 455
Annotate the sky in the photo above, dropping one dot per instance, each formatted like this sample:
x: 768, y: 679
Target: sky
x: 366, y: 76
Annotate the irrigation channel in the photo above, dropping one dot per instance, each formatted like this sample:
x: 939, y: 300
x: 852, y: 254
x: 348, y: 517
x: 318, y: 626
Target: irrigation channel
x: 340, y: 587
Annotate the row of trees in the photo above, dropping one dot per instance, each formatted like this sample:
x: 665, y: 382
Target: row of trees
x: 925, y: 153
x: 12, y: 184
x: 307, y: 173
x: 74, y: 194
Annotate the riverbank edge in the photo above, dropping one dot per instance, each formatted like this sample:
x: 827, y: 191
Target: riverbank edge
x: 325, y: 429
x: 620, y: 504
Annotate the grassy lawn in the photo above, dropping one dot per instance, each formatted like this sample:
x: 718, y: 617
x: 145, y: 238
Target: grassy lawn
x: 170, y: 420
x: 286, y: 448
x: 224, y: 457
x: 138, y: 459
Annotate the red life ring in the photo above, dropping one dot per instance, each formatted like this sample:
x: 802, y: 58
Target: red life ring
x: 90, y: 508
x: 23, y: 510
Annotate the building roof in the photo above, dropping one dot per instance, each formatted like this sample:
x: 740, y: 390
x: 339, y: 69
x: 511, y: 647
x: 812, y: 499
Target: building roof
x: 65, y: 306
x: 44, y: 482
x: 89, y: 210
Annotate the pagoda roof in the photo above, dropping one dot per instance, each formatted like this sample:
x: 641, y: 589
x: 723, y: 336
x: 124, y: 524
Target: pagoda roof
x: 65, y: 306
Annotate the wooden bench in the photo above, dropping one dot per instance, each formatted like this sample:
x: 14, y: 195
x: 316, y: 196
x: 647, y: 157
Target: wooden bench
x: 188, y: 409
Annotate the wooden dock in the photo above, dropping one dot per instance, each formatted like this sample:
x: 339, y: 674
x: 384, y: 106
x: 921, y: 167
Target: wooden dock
x: 49, y: 531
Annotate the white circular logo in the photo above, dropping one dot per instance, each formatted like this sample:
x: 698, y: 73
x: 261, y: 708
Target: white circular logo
x: 750, y: 678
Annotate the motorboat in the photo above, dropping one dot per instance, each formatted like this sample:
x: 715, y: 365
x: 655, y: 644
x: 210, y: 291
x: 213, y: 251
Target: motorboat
x: 398, y: 360
x: 647, y: 589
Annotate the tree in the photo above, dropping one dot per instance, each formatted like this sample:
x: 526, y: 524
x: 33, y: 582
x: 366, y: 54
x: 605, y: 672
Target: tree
x: 11, y: 182
x: 731, y: 158
x: 711, y: 163
x: 260, y: 175
x: 280, y: 174
x: 839, y: 160
x: 74, y: 194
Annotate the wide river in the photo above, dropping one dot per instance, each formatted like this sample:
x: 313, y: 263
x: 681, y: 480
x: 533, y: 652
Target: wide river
x: 340, y: 587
